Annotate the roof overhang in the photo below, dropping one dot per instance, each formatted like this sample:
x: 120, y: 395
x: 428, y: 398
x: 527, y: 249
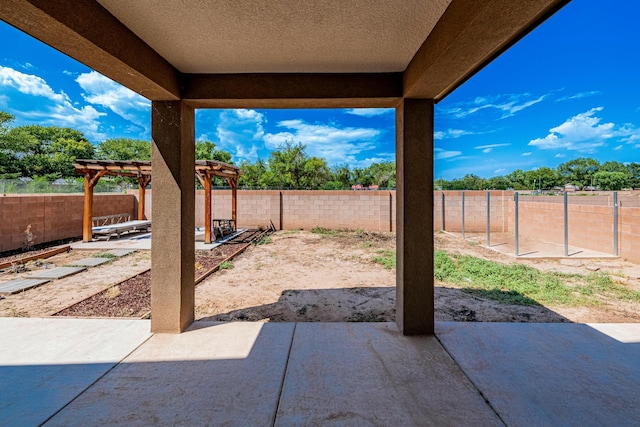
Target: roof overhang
x: 282, y: 53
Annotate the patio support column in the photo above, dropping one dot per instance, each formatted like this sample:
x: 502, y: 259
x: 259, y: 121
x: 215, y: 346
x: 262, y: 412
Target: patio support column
x: 173, y: 197
x: 414, y: 217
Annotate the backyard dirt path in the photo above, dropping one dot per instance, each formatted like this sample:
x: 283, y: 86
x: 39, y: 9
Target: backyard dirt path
x: 302, y: 276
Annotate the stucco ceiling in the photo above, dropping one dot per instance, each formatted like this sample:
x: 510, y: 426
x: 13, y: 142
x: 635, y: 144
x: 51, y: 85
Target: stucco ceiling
x: 267, y: 36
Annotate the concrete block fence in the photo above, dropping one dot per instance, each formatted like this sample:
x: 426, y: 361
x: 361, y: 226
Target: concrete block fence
x: 59, y: 216
x: 294, y: 209
x: 52, y: 216
x: 590, y: 218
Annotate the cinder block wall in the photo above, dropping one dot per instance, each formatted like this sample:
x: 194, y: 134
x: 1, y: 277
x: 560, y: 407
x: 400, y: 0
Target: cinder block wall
x: 293, y: 209
x: 475, y: 211
x: 52, y: 216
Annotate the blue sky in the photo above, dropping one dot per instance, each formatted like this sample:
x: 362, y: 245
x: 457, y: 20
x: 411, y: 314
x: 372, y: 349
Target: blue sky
x: 569, y: 89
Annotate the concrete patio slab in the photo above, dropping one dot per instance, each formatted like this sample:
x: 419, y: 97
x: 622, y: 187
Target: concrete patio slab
x: 552, y: 374
x: 18, y: 285
x: 90, y: 262
x: 56, y: 273
x: 370, y: 374
x: 45, y: 363
x: 213, y: 374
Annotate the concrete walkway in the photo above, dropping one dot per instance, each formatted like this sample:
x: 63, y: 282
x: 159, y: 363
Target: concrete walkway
x: 67, y: 372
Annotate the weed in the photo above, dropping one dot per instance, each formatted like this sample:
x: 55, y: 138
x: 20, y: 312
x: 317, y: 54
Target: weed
x: 14, y: 312
x: 367, y: 244
x: 291, y: 232
x: 387, y: 258
x: 524, y: 285
x: 325, y: 232
x: 264, y: 240
x: 105, y: 255
x: 113, y: 292
x: 227, y: 265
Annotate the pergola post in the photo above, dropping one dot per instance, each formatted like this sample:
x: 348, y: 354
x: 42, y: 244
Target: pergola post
x: 208, y: 238
x: 234, y: 200
x: 87, y: 213
x: 172, y: 246
x: 143, y: 181
x: 91, y: 179
x: 414, y: 217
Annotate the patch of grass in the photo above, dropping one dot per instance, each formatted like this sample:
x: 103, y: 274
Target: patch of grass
x: 387, y: 257
x: 291, y: 232
x: 227, y: 265
x: 524, y: 285
x: 264, y: 240
x: 105, y: 255
x: 325, y: 232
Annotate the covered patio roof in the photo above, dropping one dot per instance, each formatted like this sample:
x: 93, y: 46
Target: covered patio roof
x: 405, y: 55
x: 93, y: 170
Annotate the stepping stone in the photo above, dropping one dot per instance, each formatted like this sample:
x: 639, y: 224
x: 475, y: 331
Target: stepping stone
x: 57, y: 273
x: 16, y: 285
x: 89, y: 262
x: 121, y: 252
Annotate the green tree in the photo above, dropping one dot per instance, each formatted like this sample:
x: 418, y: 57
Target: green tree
x: 45, y: 151
x: 542, y: 178
x: 206, y: 150
x: 634, y: 174
x: 289, y: 166
x: 253, y: 175
x: 9, y: 164
x: 124, y: 149
x: 578, y: 171
x: 611, y: 181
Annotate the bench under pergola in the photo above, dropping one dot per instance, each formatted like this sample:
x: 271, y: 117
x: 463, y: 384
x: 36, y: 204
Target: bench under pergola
x: 93, y: 170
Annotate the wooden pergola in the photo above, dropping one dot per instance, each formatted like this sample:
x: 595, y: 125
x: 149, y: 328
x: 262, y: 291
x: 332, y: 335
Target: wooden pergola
x: 93, y: 170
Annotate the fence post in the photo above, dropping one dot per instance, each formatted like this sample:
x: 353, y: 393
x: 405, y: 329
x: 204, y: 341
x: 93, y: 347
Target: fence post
x: 443, y: 211
x: 566, y: 227
x: 463, y: 214
x: 488, y: 218
x: 515, y: 199
x: 615, y: 223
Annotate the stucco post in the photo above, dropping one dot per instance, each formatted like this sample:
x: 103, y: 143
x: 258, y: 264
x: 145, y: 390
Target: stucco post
x: 414, y: 217
x: 173, y: 207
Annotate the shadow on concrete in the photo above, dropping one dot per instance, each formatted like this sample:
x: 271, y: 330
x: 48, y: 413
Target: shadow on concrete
x: 377, y: 304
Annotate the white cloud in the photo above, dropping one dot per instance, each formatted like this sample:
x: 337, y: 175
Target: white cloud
x: 451, y: 134
x: 369, y: 112
x: 338, y: 145
x: 488, y: 148
x: 528, y: 153
x: 52, y: 108
x: 122, y: 101
x: 582, y: 132
x: 560, y: 156
x: 499, y: 171
x: 29, y: 84
x: 508, y: 104
x: 617, y: 148
x: 238, y: 129
x: 579, y: 95
x: 440, y: 154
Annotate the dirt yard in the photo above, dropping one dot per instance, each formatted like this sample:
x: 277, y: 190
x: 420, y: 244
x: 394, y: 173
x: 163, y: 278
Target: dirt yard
x: 302, y: 276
